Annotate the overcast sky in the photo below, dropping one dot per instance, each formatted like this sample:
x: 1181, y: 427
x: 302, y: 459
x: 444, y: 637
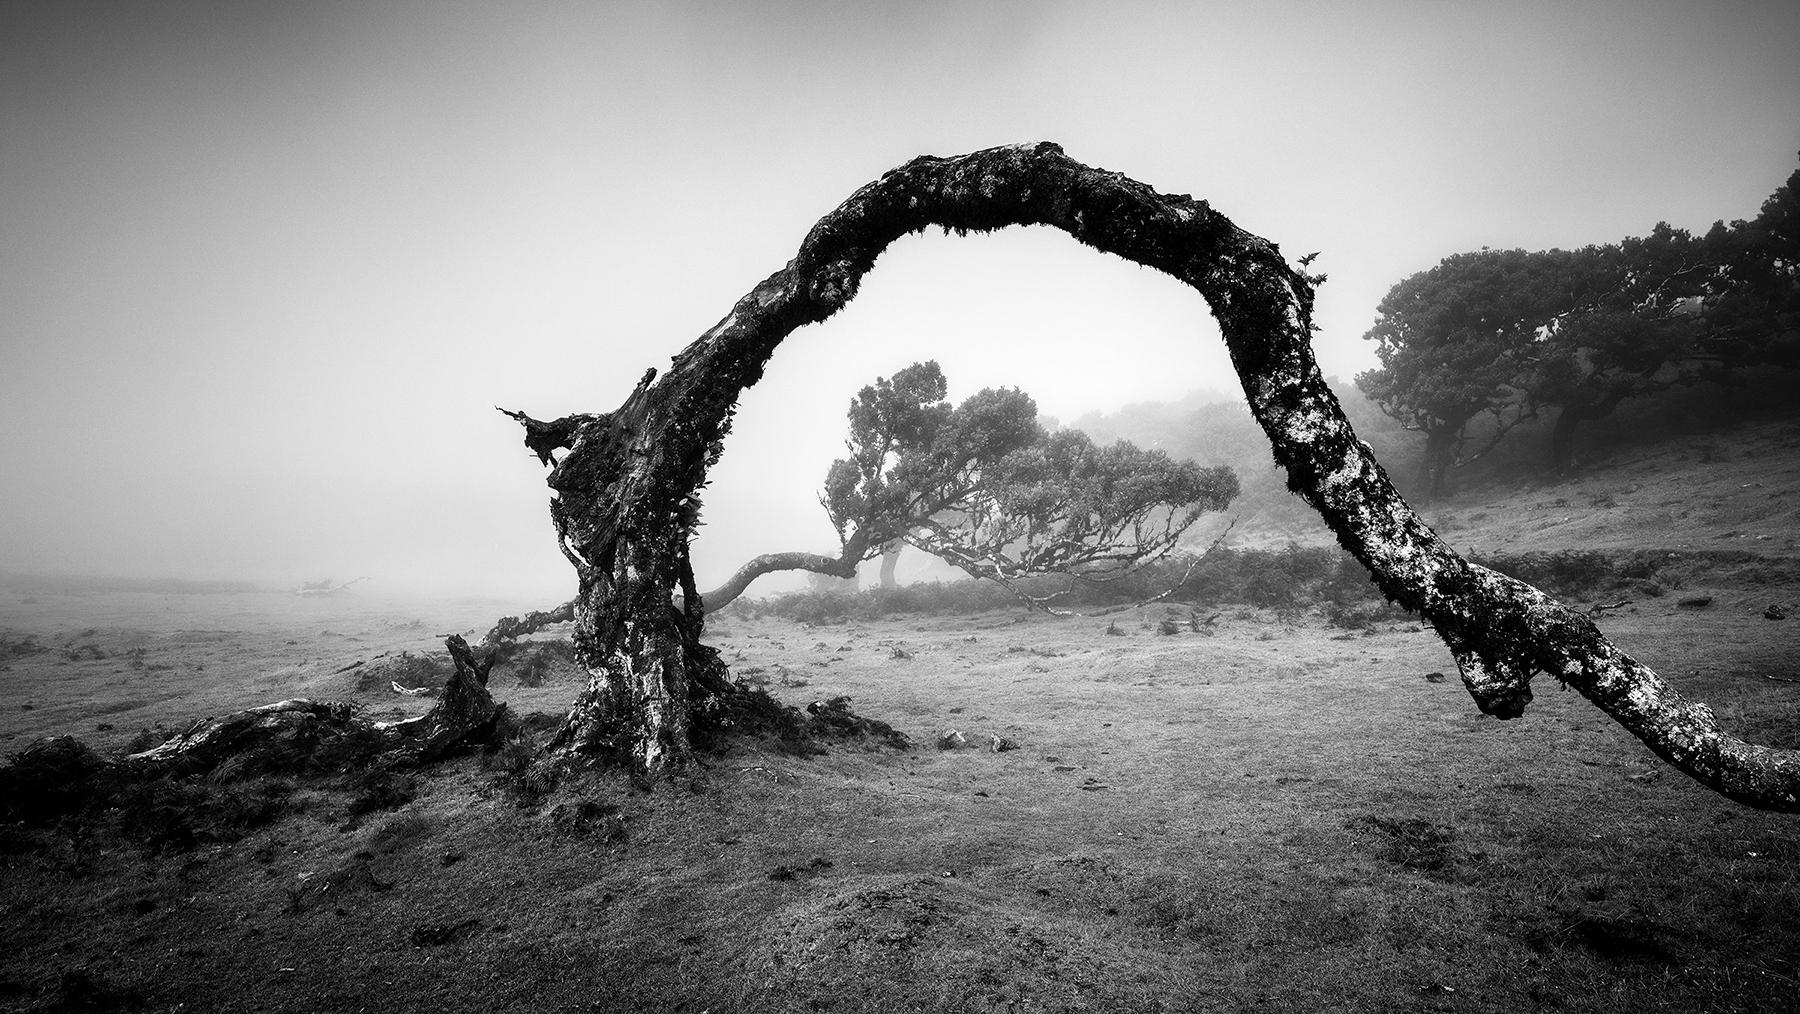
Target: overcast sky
x: 265, y: 268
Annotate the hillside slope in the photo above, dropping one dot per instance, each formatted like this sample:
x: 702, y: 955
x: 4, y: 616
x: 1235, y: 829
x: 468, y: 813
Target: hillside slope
x: 1668, y: 480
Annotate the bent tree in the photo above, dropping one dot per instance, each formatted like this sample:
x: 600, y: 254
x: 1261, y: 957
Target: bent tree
x: 984, y: 487
x: 627, y: 482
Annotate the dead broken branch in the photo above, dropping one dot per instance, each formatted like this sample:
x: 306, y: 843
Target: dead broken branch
x: 299, y: 729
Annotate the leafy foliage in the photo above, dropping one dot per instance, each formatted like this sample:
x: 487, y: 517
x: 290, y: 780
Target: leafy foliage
x: 1509, y: 334
x: 983, y: 486
x: 1456, y: 341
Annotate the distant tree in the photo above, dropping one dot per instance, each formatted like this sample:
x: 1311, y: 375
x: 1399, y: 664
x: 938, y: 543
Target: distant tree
x: 1753, y: 299
x: 1064, y: 505
x: 1456, y: 344
x: 984, y: 487
x: 1669, y: 309
x: 1504, y: 336
x: 891, y: 475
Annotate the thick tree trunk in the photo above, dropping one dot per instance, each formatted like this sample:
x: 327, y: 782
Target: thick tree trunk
x: 626, y: 490
x: 890, y: 558
x: 1562, y: 434
x: 1562, y: 440
x: 1440, y: 454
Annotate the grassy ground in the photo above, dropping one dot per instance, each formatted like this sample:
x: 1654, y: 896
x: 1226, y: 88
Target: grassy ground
x: 1273, y: 815
x: 1268, y: 813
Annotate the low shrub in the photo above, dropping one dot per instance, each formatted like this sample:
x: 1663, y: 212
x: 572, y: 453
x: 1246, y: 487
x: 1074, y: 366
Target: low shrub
x: 1564, y: 572
x: 51, y: 778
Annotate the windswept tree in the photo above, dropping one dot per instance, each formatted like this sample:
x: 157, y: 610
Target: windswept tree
x: 868, y: 505
x: 986, y: 488
x: 1064, y: 505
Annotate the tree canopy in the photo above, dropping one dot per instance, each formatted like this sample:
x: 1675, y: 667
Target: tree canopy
x: 986, y: 488
x: 1455, y: 343
x: 1502, y: 336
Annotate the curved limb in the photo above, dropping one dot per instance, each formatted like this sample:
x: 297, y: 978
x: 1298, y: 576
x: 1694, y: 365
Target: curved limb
x: 628, y: 484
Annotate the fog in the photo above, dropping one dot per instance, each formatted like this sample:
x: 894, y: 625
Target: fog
x: 267, y: 268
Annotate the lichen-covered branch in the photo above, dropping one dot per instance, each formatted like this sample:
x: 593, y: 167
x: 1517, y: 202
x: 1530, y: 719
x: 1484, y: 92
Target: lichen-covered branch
x: 627, y: 487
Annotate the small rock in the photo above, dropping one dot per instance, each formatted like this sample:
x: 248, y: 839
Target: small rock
x: 1000, y: 744
x: 1774, y: 612
x: 1435, y: 677
x: 951, y: 739
x: 1696, y: 601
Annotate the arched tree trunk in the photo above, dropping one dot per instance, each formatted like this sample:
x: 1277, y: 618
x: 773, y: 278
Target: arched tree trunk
x: 626, y: 488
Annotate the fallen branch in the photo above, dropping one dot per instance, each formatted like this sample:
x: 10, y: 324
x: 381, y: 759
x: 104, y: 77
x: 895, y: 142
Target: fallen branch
x: 298, y: 731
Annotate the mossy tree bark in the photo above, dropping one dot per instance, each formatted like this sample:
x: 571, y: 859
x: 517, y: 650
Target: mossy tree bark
x: 627, y: 486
